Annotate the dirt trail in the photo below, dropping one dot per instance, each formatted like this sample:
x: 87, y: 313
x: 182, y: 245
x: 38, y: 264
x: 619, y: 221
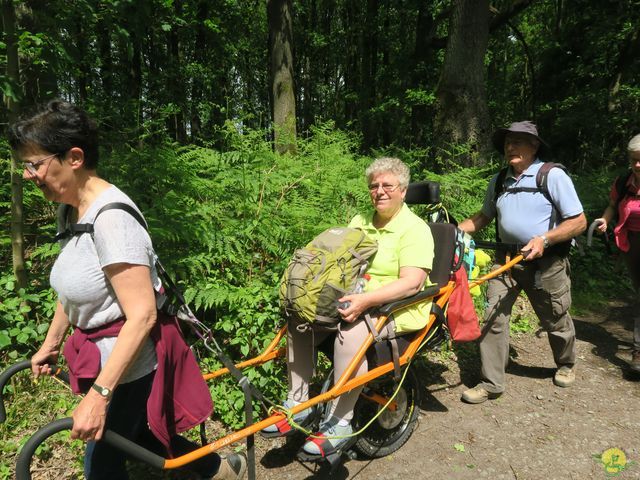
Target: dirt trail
x: 535, y: 431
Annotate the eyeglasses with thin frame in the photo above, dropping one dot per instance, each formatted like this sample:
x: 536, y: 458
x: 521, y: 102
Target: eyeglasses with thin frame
x: 387, y: 187
x: 32, y: 167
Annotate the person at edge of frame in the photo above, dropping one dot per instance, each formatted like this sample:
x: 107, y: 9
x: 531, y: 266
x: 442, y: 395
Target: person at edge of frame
x: 105, y: 284
x: 624, y: 203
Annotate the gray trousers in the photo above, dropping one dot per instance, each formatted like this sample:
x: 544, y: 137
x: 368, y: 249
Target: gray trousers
x: 632, y: 259
x: 548, y: 286
x: 302, y: 356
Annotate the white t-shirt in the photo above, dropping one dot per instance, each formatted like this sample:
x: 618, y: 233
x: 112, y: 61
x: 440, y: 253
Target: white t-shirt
x: 82, y: 286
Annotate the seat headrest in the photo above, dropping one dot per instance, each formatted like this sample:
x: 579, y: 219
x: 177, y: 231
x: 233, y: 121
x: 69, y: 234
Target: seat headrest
x: 423, y: 193
x: 444, y: 239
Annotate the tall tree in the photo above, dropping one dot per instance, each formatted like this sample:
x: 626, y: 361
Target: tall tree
x: 281, y: 73
x: 369, y: 69
x: 461, y: 111
x: 10, y: 98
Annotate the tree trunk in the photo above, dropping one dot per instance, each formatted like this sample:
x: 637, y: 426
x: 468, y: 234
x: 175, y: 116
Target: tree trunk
x: 368, y: 75
x: 628, y: 54
x: 39, y: 79
x: 351, y: 64
x: 281, y: 73
x: 13, y: 74
x: 106, y: 59
x: 424, y: 24
x: 462, y: 118
x: 177, y: 127
x: 81, y: 43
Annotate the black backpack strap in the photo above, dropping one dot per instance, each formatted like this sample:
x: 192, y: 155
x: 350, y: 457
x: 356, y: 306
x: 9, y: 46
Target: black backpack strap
x: 127, y: 208
x: 499, y: 185
x: 621, y: 188
x: 498, y: 189
x: 542, y: 180
x: 66, y: 229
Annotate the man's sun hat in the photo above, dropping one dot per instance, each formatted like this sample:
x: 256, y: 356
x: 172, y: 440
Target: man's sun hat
x: 518, y: 127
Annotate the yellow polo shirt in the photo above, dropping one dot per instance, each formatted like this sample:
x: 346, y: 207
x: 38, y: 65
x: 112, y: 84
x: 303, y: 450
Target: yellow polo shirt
x: 405, y: 241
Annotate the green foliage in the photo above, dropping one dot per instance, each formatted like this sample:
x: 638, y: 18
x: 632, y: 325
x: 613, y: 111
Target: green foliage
x: 24, y: 318
x: 597, y: 276
x: 30, y: 405
x: 462, y: 191
x: 223, y: 223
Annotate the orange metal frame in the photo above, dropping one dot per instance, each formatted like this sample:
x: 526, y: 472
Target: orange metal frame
x: 343, y: 385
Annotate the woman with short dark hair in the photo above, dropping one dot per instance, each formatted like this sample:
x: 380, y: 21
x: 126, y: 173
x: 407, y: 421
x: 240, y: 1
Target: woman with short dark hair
x: 101, y: 280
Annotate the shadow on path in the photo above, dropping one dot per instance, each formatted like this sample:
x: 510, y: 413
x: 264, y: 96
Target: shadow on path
x: 610, y: 336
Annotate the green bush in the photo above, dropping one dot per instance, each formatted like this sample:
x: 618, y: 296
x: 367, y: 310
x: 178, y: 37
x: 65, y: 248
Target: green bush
x: 225, y: 224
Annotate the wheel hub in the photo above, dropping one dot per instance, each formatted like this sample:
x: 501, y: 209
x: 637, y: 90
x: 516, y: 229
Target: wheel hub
x: 392, y: 418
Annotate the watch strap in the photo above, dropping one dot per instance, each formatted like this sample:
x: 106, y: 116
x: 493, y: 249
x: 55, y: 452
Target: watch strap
x: 103, y: 391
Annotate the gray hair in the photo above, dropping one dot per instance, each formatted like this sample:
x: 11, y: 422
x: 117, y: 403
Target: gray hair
x: 392, y: 165
x: 634, y: 144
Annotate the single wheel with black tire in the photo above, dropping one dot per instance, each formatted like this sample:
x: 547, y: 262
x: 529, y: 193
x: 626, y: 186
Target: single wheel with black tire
x: 394, y: 426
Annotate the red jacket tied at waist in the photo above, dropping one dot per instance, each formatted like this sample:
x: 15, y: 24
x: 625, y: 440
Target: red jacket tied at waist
x: 179, y: 398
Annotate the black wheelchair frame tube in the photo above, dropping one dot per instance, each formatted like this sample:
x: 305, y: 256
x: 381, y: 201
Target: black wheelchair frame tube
x: 131, y: 449
x: 25, y: 457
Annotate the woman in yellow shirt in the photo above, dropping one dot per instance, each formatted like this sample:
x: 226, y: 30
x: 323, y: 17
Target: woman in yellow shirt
x: 399, y: 269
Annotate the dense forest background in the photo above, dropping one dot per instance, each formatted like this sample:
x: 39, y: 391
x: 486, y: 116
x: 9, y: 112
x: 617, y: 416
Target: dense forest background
x: 243, y: 127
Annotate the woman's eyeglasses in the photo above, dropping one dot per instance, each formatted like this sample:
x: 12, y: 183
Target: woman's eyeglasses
x: 387, y: 187
x: 32, y: 167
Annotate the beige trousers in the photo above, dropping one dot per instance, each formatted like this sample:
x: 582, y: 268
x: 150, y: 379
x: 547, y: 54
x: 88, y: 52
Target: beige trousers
x: 302, y: 358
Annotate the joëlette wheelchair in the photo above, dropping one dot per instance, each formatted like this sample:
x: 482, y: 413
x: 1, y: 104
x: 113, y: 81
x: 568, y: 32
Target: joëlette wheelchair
x: 388, y: 405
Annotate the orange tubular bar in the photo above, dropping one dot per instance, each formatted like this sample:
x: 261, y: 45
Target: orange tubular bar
x: 344, y: 383
x: 497, y: 272
x: 268, y: 354
x: 379, y: 399
x: 342, y: 386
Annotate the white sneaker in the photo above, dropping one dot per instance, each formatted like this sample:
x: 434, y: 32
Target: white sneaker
x: 332, y: 437
x: 282, y: 427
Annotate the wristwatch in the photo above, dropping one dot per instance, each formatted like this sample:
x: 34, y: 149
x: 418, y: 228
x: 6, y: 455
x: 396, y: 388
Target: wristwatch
x: 545, y: 241
x: 103, y: 391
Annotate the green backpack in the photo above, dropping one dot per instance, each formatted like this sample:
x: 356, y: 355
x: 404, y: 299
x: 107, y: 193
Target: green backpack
x: 322, y: 272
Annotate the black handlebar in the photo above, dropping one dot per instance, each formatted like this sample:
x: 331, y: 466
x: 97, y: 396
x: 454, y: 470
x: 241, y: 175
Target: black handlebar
x: 509, y: 247
x: 23, y: 464
x: 605, y: 237
x: 4, y: 378
x: 18, y: 367
x: 592, y: 227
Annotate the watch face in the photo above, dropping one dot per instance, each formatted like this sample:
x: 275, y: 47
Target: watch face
x: 104, y: 392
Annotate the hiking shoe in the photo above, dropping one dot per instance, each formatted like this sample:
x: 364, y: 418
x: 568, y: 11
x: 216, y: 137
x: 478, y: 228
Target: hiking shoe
x: 478, y: 394
x: 325, y: 444
x: 635, y: 361
x: 565, y: 376
x: 282, y: 427
x: 232, y: 467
